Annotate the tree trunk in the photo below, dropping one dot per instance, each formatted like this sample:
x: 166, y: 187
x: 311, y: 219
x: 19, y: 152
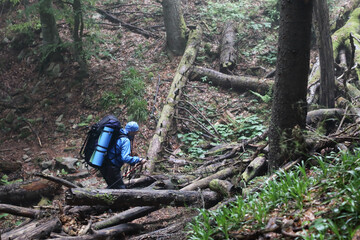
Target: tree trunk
x: 77, y: 36
x: 123, y: 217
x: 19, y: 211
x: 289, y: 101
x: 175, y: 26
x: 120, y: 198
x: 327, y: 80
x: 116, y: 232
x: 239, y: 83
x: 50, y: 50
x: 48, y: 24
x: 223, y: 187
x: 167, y: 113
x: 28, y: 192
x: 203, y: 183
x: 39, y: 229
x: 227, y: 51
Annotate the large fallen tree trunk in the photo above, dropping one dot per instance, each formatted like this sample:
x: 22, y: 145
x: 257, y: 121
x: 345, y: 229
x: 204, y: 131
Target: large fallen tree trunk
x: 173, y: 97
x: 39, y: 229
x: 227, y: 51
x: 28, y: 192
x: 238, y: 83
x: 120, y: 198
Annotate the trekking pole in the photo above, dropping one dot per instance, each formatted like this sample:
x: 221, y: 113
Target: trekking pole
x: 131, y: 170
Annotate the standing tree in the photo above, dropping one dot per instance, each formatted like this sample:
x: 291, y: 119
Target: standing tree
x: 327, y: 80
x: 289, y: 107
x: 51, y: 39
x: 77, y: 36
x: 175, y: 26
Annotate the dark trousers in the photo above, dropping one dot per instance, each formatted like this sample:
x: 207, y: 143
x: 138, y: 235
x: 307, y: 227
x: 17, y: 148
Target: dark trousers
x: 112, y: 176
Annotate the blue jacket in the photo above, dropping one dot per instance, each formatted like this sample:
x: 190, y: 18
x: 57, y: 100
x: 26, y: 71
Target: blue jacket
x: 122, y: 153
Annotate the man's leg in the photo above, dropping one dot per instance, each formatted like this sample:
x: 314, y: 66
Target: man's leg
x: 112, y: 176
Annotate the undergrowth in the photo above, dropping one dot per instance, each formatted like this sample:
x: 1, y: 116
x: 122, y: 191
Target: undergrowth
x: 328, y: 191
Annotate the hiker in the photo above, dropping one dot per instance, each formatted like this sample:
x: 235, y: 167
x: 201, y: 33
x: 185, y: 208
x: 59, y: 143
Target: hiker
x: 120, y: 154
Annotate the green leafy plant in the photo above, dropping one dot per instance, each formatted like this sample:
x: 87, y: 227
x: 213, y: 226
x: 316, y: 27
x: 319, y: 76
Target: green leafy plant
x: 193, y: 141
x: 133, y: 91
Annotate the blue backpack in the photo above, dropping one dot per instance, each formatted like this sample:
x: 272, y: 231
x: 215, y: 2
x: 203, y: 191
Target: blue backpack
x: 101, y: 137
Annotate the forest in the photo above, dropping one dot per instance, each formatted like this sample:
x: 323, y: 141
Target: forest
x: 248, y: 115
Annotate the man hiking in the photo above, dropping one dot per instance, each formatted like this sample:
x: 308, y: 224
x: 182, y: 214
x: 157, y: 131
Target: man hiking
x: 120, y: 154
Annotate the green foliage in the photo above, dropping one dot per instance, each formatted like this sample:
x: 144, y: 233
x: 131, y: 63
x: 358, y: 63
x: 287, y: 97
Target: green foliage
x: 335, y: 178
x: 193, y: 140
x: 241, y: 128
x: 265, y: 98
x: 109, y: 99
x: 133, y: 91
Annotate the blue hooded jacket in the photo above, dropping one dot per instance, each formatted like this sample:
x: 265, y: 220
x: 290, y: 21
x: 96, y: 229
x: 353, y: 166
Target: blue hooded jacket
x: 123, y: 150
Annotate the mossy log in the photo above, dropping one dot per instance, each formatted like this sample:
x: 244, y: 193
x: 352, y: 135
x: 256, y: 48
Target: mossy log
x: 204, y: 183
x: 120, y: 198
x: 38, y: 229
x: 237, y: 83
x: 167, y: 113
x: 319, y: 115
x: 256, y: 168
x: 223, y: 187
x: 27, y: 193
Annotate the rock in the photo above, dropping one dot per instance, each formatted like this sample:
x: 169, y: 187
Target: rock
x: 66, y: 163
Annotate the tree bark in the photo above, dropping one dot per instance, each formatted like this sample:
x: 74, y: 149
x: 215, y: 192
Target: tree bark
x: 123, y: 217
x: 39, y: 229
x: 19, y: 211
x: 116, y: 232
x: 48, y: 23
x: 289, y: 105
x: 239, y: 83
x: 167, y: 113
x: 327, y: 80
x: 175, y: 26
x: 227, y: 51
x: 28, y: 192
x: 77, y: 36
x: 203, y: 183
x: 120, y: 198
x: 223, y: 187
x: 256, y: 168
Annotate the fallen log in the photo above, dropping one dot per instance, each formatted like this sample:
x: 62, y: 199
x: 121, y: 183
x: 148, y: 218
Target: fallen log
x: 120, y: 198
x: 57, y: 180
x: 223, y: 187
x: 27, y: 193
x: 203, y: 183
x: 167, y: 113
x: 116, y: 232
x: 237, y: 83
x: 319, y: 115
x: 19, y: 211
x: 227, y: 48
x: 256, y: 168
x: 37, y: 229
x: 132, y: 28
x: 123, y: 217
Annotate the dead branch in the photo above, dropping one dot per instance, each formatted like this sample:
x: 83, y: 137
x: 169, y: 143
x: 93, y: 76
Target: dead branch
x: 19, y: 211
